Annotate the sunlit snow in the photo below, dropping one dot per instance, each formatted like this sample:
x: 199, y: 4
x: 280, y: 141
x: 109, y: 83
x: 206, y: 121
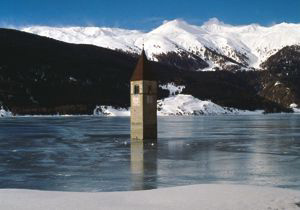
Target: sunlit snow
x: 256, y: 42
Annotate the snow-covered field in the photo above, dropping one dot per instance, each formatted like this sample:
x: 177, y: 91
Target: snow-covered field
x: 255, y: 42
x: 205, y: 196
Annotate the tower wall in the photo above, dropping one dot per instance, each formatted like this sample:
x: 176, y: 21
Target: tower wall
x: 143, y: 110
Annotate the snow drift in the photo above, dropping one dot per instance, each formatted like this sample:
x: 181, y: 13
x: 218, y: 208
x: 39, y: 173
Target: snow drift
x: 205, y: 196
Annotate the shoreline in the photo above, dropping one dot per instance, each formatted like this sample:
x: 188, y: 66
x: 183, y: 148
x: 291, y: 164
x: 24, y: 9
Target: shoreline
x: 259, y: 112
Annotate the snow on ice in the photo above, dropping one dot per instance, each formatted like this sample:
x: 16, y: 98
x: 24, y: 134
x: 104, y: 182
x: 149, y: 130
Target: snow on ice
x: 204, y: 196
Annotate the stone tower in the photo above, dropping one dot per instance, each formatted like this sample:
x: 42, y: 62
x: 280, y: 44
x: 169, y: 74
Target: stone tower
x: 143, y: 101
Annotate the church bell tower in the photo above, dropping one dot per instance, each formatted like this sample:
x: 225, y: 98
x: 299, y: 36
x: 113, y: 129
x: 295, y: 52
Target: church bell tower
x: 143, y: 102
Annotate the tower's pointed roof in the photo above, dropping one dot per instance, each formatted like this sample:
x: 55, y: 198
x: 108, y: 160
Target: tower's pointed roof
x: 143, y: 69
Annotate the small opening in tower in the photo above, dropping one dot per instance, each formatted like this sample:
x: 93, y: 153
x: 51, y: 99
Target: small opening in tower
x: 136, y: 89
x: 149, y: 89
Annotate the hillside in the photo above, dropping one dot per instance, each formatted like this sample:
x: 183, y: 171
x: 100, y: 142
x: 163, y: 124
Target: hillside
x: 282, y: 82
x: 39, y: 75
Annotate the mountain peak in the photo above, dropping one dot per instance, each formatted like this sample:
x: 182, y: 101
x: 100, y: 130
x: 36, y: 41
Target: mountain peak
x: 177, y: 25
x: 174, y: 24
x: 214, y: 21
x: 215, y: 25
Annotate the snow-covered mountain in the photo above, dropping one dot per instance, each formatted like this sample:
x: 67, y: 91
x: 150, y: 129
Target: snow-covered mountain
x: 213, y: 44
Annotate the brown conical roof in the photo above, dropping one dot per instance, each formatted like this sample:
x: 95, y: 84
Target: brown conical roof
x: 143, y: 70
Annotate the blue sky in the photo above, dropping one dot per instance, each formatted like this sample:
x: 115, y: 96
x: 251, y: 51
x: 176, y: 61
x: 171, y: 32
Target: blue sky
x: 145, y: 14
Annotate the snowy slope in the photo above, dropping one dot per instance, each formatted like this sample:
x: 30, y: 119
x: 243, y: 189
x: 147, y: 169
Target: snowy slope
x: 112, y: 38
x: 186, y: 105
x: 248, y: 44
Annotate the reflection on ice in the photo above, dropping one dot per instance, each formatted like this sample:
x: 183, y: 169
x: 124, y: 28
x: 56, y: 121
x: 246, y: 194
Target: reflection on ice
x: 95, y: 153
x: 143, y: 162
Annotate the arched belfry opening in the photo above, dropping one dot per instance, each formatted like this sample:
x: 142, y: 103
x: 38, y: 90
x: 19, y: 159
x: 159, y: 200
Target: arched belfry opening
x: 143, y: 101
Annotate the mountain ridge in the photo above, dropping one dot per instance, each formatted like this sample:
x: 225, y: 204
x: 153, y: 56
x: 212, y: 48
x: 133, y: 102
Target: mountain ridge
x: 247, y: 45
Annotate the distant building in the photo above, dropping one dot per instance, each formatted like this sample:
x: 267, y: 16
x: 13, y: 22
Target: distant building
x: 143, y: 100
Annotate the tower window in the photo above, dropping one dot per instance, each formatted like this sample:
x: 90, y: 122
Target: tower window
x: 136, y: 89
x: 149, y: 89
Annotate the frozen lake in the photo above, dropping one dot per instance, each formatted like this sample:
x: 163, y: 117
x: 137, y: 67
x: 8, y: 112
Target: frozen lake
x: 95, y: 154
